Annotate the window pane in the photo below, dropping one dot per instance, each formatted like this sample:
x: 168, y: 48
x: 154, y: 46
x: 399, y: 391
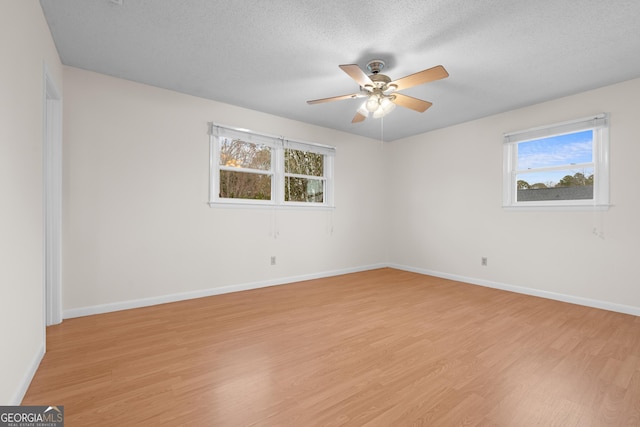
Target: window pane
x: 303, y: 190
x: 242, y: 185
x: 242, y: 154
x: 570, y: 184
x: 557, y: 150
x: 303, y: 162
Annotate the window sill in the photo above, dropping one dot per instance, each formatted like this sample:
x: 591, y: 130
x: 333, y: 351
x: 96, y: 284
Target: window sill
x: 269, y: 206
x: 557, y: 208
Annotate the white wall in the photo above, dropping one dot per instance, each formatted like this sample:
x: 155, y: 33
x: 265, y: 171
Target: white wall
x: 446, y: 208
x: 136, y: 223
x: 137, y: 226
x: 26, y: 44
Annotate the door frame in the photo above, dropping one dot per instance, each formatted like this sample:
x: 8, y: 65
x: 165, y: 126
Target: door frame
x: 52, y: 189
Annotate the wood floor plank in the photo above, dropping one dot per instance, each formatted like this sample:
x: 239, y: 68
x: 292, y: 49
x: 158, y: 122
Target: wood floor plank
x: 378, y: 348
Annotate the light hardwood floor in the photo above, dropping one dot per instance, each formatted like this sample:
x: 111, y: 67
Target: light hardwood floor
x: 379, y: 348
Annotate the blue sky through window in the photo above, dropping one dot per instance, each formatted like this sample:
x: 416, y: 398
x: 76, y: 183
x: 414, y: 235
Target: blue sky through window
x: 559, y: 150
x: 568, y: 149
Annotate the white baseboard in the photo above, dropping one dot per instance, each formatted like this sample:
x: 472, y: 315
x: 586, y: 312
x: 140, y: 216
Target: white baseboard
x: 28, y: 376
x: 145, y: 302
x: 588, y: 302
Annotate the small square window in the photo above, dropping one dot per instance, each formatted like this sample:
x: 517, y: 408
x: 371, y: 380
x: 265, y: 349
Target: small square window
x: 563, y: 165
x: 244, y: 170
x: 304, y: 176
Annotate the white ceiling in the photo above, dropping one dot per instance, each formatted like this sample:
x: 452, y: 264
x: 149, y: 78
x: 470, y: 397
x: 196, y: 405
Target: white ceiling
x: 274, y: 55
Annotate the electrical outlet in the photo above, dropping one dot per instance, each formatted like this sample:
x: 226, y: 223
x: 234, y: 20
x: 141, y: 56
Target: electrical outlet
x: 273, y: 260
x: 483, y: 261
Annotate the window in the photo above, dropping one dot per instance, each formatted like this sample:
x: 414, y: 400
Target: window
x: 562, y: 165
x: 245, y: 169
x: 253, y: 169
x: 304, y: 176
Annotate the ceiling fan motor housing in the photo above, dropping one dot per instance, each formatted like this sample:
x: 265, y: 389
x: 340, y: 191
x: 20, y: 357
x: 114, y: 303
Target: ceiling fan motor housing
x: 380, y: 79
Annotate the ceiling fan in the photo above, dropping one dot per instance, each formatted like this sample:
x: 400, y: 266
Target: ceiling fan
x: 381, y: 91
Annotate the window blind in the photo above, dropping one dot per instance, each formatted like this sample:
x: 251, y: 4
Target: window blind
x: 592, y: 122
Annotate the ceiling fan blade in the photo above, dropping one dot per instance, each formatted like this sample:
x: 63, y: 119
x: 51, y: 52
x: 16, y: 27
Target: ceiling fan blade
x: 358, y: 118
x: 425, y: 76
x: 335, y: 98
x: 357, y: 74
x: 410, y: 102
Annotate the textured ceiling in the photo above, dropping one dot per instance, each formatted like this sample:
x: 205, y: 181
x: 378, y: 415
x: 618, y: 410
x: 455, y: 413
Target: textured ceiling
x: 274, y: 55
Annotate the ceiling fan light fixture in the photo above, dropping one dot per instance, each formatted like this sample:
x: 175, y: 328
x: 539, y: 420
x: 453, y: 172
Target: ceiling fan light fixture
x: 386, y: 106
x: 373, y: 103
x: 363, y: 109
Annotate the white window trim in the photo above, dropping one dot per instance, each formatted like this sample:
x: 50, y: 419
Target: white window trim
x: 600, y: 125
x: 278, y: 144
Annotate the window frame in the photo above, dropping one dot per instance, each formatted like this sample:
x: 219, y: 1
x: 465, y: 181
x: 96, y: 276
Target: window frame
x: 599, y: 124
x: 327, y: 172
x: 268, y: 172
x: 278, y: 145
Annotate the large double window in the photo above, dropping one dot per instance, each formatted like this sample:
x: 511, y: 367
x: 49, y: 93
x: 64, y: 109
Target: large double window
x: 255, y: 169
x: 561, y: 165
